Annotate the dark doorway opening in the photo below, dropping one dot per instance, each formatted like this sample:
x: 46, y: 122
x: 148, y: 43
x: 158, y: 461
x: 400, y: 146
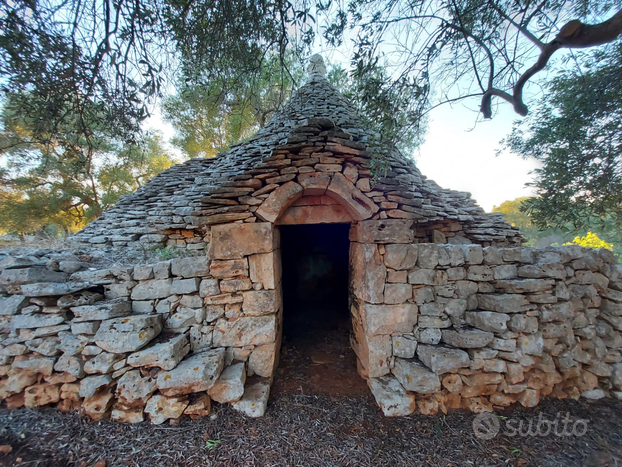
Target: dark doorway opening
x: 316, y: 357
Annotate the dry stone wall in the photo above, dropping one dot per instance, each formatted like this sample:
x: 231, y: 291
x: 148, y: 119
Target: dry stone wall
x: 155, y: 340
x: 440, y: 327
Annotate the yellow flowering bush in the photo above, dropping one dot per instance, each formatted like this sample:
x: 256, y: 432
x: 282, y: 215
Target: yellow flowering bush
x: 591, y: 240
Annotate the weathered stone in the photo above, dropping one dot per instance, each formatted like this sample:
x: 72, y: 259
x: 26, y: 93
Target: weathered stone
x: 36, y: 320
x: 197, y: 373
x: 433, y: 322
x: 234, y: 241
x: 123, y: 414
x: 47, y: 289
x: 208, y: 288
x: 383, y: 231
x: 488, y: 320
x: 45, y: 346
x: 429, y: 336
x: 35, y: 364
x: 72, y: 344
x: 71, y: 365
x: 254, y: 402
x: 161, y: 408
x: 467, y: 338
x: 368, y: 272
x: 397, y: 293
x: 263, y: 359
x: 260, y: 302
x: 428, y: 255
x: 531, y: 344
x: 128, y: 334
x: 223, y: 269
x: 86, y: 327
x: 356, y: 203
x: 504, y: 303
x: 558, y: 312
x: 165, y: 355
x: 422, y: 277
x: 185, y: 317
x: 16, y: 382
x: 453, y: 383
x: 442, y: 360
x: 387, y: 319
x: 200, y: 406
x: 236, y: 285
x: 404, y: 346
x: 151, y: 289
x: 391, y: 397
x: 525, y: 285
x: 400, y: 256
x: 30, y: 275
x: 132, y: 387
x: 102, y: 310
x: 41, y: 394
x: 473, y: 254
x: 276, y: 203
x: 195, y: 266
x: 230, y: 385
x: 92, y: 384
x: 185, y: 286
x: 83, y: 298
x: 98, y: 405
x: 12, y: 305
x: 101, y: 363
x: 252, y: 330
x: 415, y: 377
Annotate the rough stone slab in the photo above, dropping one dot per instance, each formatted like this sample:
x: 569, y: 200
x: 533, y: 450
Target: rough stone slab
x: 388, y: 319
x: 196, y: 266
x: 31, y: 275
x: 467, y: 338
x: 383, y: 231
x: 35, y: 363
x: 230, y: 385
x: 161, y: 408
x: 525, y: 285
x: 276, y: 203
x: 503, y: 303
x: 128, y: 334
x: 195, y: 374
x: 488, y: 320
x: 13, y: 304
x: 234, y: 241
x: 356, y: 203
x: 400, y: 256
x: 442, y: 360
x: 223, y: 269
x: 83, y: 298
x: 47, y: 289
x: 165, y: 355
x: 132, y: 387
x: 368, y: 272
x: 90, y: 385
x: 152, y: 289
x: 251, y: 330
x: 391, y: 397
x: 415, y: 377
x: 265, y: 268
x: 404, y: 346
x: 255, y: 400
x: 102, y: 310
x: 36, y: 320
x: 260, y: 302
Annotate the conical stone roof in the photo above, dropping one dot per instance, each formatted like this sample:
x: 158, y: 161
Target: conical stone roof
x: 202, y: 192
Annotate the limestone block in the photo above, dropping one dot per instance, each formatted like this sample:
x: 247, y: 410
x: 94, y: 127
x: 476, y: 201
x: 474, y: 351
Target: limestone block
x: 504, y: 303
x: 557, y: 312
x: 356, y: 203
x: 194, y: 266
x: 134, y: 388
x: 265, y: 268
x: 184, y: 317
x: 533, y: 271
x: 467, y: 338
x: 276, y: 203
x: 488, y: 320
x: 185, y: 286
x: 480, y: 273
x: 92, y: 384
x: 128, y: 334
x: 30, y: 275
x: 453, y: 383
x: 209, y: 287
x: 251, y: 330
x: 234, y: 241
x: 98, y: 277
x: 101, y: 363
x: 41, y: 394
x: 102, y: 310
x: 36, y: 320
x: 162, y: 270
x: 428, y: 336
x: 368, y: 272
x: 161, y: 408
x: 254, y: 402
x: 383, y: 231
x: 196, y: 373
x: 230, y: 385
x: 200, y: 406
x: 422, y: 277
x: 72, y: 344
x: 391, y: 397
x: 525, y: 285
x: 415, y: 377
x: 152, y: 289
x: 428, y: 256
x: 261, y: 302
x: 97, y: 405
x: 374, y: 352
x: 263, y: 359
x: 531, y: 344
x: 442, y: 360
x: 48, y: 289
x: 35, y: 364
x: 47, y: 346
x: 388, y: 319
x: 165, y: 355
x: 314, y: 183
x: 86, y: 327
x: 397, y: 293
x: 123, y: 414
x: 12, y: 304
x: 223, y: 269
x: 404, y: 346
x: 433, y: 322
x: 473, y: 254
x: 236, y: 285
x: 143, y: 272
x: 71, y: 365
x: 17, y: 381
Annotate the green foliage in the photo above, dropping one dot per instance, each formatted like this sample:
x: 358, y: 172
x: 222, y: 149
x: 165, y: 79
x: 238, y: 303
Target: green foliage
x: 575, y: 132
x: 60, y: 177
